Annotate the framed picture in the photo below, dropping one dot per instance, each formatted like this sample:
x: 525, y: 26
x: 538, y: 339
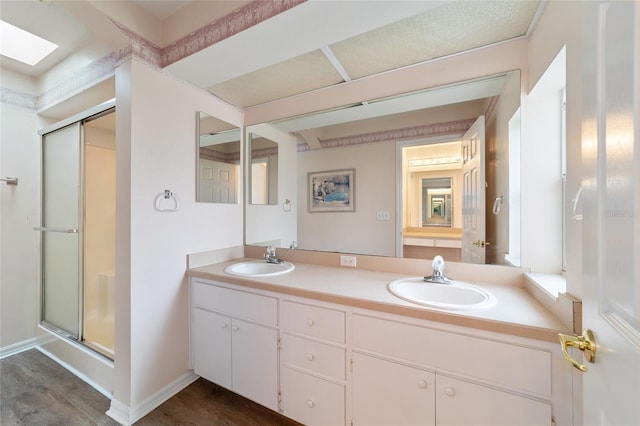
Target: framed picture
x: 332, y: 191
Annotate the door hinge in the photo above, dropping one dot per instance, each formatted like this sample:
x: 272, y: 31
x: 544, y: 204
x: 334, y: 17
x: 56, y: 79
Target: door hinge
x: 279, y: 396
x: 279, y: 344
x: 351, y: 365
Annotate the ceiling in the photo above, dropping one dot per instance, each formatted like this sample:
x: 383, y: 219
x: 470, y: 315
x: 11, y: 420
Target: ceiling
x: 301, y: 47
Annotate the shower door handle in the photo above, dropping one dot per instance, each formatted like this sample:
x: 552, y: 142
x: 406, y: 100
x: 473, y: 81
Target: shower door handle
x: 62, y: 230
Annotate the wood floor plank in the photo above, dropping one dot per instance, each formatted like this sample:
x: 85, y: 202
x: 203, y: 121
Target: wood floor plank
x: 35, y: 390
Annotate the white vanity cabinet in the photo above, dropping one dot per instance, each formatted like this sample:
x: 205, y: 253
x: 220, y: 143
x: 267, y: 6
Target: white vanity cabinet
x: 313, y: 363
x: 322, y: 363
x: 234, y: 340
x: 462, y: 403
x: 390, y: 393
x: 406, y: 374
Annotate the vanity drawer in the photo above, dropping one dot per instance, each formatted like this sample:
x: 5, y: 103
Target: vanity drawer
x: 237, y: 303
x: 314, y: 321
x: 315, y: 356
x: 311, y: 400
x: 519, y: 367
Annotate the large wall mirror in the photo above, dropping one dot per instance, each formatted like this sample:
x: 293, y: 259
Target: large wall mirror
x: 263, y: 177
x: 393, y: 188
x: 218, y: 160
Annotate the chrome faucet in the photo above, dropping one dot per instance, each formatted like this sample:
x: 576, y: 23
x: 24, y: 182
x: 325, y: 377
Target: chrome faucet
x: 271, y: 257
x: 438, y: 272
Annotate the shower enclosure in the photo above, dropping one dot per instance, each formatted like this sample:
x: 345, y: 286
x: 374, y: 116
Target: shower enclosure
x: 78, y: 231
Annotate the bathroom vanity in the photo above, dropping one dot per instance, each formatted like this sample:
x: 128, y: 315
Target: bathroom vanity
x: 330, y: 345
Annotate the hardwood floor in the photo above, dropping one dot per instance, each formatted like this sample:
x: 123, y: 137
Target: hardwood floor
x: 35, y: 390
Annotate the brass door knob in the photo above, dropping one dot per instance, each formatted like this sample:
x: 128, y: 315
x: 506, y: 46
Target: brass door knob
x: 586, y: 343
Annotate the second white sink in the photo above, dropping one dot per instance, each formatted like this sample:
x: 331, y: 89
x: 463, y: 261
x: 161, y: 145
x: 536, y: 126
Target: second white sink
x: 459, y: 295
x: 258, y: 268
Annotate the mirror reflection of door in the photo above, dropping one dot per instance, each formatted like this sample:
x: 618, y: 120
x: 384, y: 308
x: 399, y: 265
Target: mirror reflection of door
x: 218, y: 147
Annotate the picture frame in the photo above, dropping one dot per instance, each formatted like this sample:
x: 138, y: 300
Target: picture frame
x: 331, y: 191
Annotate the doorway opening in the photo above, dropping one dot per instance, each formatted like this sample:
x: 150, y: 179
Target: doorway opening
x: 430, y: 176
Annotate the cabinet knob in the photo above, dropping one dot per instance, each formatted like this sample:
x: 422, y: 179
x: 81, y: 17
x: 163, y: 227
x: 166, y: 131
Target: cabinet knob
x: 450, y: 392
x: 235, y: 328
x: 422, y: 384
x: 310, y: 322
x: 310, y: 357
x: 225, y: 325
x: 310, y: 403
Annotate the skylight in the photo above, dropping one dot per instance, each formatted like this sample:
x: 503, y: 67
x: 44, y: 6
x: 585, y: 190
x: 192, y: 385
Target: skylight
x: 22, y: 45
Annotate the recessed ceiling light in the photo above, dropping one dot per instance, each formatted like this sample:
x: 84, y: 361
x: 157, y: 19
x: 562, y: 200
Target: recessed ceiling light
x: 22, y: 45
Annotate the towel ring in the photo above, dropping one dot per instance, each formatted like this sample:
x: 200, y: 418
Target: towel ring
x: 167, y: 195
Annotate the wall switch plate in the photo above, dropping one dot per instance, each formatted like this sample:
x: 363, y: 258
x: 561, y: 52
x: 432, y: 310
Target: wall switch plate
x: 348, y: 261
x: 383, y: 215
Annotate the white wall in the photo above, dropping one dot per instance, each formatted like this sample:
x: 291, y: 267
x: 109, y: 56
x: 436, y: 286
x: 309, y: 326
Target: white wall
x: 156, y: 139
x: 19, y: 214
x: 375, y: 180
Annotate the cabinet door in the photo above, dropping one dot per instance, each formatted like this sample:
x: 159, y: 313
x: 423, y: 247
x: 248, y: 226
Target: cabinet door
x: 311, y: 400
x: 463, y: 403
x: 387, y: 393
x: 255, y: 362
x: 212, y: 347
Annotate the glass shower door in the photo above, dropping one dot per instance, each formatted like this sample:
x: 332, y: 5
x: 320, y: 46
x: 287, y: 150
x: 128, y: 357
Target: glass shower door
x: 61, y: 243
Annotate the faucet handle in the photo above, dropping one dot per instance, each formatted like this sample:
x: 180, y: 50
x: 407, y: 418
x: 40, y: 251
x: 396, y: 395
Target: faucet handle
x: 438, y: 263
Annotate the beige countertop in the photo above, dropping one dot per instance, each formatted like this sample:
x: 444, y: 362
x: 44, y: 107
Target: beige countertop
x: 433, y: 232
x: 516, y: 312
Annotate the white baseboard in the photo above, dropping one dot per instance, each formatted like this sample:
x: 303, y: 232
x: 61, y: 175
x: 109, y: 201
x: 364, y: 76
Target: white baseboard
x: 127, y: 416
x: 25, y: 345
x: 76, y: 372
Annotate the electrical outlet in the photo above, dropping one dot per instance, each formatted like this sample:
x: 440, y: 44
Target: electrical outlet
x: 348, y: 261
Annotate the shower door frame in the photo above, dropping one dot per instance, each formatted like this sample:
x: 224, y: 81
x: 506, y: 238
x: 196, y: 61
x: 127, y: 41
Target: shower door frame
x: 92, y: 113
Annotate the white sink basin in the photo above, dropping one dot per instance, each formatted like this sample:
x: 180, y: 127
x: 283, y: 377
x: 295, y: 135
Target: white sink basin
x: 459, y: 295
x: 258, y: 268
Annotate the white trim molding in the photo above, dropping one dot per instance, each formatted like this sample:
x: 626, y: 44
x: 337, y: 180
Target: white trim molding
x: 126, y: 416
x: 25, y: 345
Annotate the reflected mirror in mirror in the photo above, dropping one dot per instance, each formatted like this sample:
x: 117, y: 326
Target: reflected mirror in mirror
x: 218, y: 168
x: 370, y: 138
x: 263, y: 179
x: 436, y: 202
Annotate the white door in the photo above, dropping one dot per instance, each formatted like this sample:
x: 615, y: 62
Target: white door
x: 473, y: 194
x: 211, y: 347
x: 461, y: 403
x: 387, y: 393
x: 254, y: 363
x: 611, y: 223
x: 217, y: 182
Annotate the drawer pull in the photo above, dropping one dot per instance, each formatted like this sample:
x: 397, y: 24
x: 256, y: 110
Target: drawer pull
x: 310, y: 403
x: 310, y: 322
x: 422, y: 384
x: 450, y: 392
x: 310, y: 357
